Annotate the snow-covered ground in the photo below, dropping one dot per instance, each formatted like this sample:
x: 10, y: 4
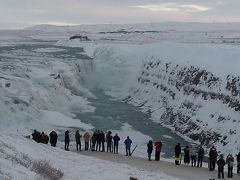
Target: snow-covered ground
x: 21, y: 158
x: 186, y: 75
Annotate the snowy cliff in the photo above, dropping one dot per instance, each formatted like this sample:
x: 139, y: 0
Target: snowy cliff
x: 35, y: 90
x: 190, y: 100
x: 193, y: 89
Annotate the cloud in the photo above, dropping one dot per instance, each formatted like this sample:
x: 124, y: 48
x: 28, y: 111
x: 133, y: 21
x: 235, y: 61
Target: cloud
x: 174, y: 7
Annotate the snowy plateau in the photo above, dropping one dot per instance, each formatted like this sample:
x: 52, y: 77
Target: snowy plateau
x: 185, y: 76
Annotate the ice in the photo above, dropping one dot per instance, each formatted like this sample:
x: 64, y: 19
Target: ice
x: 49, y: 50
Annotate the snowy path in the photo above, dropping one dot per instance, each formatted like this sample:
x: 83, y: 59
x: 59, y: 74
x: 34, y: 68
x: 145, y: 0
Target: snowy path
x: 182, y: 171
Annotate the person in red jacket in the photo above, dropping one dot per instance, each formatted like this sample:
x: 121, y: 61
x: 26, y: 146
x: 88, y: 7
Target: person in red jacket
x: 158, y: 146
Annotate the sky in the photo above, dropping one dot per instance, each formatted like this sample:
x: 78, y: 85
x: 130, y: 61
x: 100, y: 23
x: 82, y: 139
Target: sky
x: 24, y: 13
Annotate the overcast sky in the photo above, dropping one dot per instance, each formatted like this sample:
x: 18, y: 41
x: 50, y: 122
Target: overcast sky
x: 22, y: 13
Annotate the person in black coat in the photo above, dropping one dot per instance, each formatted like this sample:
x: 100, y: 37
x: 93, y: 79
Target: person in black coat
x: 186, y: 155
x: 149, y: 149
x: 238, y: 163
x: 102, y: 139
x: 200, y: 156
x: 177, y: 153
x: 53, y: 138
x: 35, y: 135
x: 221, y: 163
x: 212, y: 158
x: 109, y: 141
x: 98, y: 139
x: 67, y: 140
x: 116, y: 140
x: 78, y: 140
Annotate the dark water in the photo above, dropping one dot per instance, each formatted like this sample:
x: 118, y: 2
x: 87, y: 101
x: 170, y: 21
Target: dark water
x: 111, y: 114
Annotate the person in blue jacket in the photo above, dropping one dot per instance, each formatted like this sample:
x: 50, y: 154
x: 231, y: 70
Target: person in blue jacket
x: 128, y: 143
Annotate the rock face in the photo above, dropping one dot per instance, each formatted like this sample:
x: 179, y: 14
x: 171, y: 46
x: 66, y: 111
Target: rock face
x: 81, y: 38
x: 190, y: 100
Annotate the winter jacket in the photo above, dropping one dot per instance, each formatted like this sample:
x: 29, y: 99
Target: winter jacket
x: 201, y: 152
x: 94, y: 138
x: 128, y: 142
x: 230, y: 161
x: 213, y: 153
x: 102, y: 137
x: 77, y: 137
x: 177, y: 150
x: 67, y: 138
x: 98, y: 137
x: 116, y: 139
x: 86, y: 137
x: 221, y: 163
x: 109, y: 138
x: 158, y: 146
x: 45, y: 139
x: 149, y: 148
x: 186, y: 155
x: 238, y: 158
x: 53, y: 137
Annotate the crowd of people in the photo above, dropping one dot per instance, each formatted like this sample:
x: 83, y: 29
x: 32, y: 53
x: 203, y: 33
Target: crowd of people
x: 97, y: 141
x: 198, y: 155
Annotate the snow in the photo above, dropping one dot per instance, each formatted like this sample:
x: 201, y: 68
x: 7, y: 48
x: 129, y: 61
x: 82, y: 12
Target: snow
x: 57, y: 119
x: 118, y: 61
x: 72, y: 164
x: 46, y: 91
x: 207, y: 56
x: 49, y: 50
x: 137, y: 138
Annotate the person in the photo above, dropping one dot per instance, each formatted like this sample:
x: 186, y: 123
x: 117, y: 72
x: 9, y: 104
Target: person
x: 149, y: 149
x: 116, y: 140
x: 53, y: 138
x: 102, y: 139
x: 93, y: 140
x: 158, y: 146
x: 230, y: 161
x: 193, y: 157
x: 98, y: 139
x: 44, y: 138
x: 67, y: 140
x: 36, y: 136
x: 212, y: 158
x: 221, y: 163
x: 200, y: 156
x: 109, y: 141
x: 86, y: 137
x: 177, y: 154
x: 78, y: 140
x: 128, y: 143
x: 238, y: 163
x: 186, y: 155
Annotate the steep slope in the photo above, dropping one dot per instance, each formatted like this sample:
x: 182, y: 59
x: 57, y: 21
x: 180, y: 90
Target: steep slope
x: 190, y: 88
x: 22, y: 158
x: 190, y: 100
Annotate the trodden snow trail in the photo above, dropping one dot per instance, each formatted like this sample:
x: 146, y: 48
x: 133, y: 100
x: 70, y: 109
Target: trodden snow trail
x: 183, y: 171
